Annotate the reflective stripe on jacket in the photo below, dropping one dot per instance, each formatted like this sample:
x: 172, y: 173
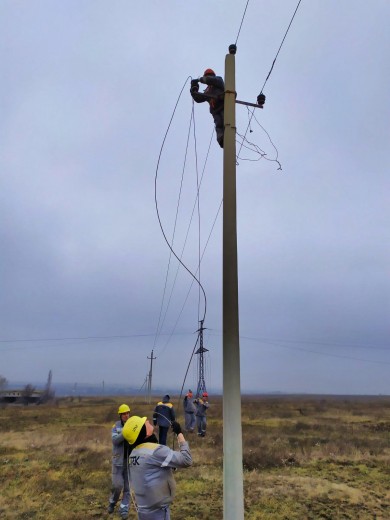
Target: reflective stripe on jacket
x: 164, y: 414
x: 119, y: 444
x: 151, y: 473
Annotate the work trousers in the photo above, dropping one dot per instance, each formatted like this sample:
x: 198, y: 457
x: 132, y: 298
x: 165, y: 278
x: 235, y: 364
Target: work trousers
x: 219, y: 127
x: 189, y: 421
x: 162, y: 514
x: 162, y: 434
x: 120, y: 480
x: 201, y: 422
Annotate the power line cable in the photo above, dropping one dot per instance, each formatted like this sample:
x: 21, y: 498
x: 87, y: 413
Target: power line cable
x: 198, y: 201
x: 269, y: 137
x: 259, y: 150
x: 289, y: 347
x: 340, y: 356
x: 242, y: 21
x: 124, y: 336
x: 57, y: 342
x: 185, y: 243
x: 156, y: 203
x: 277, y: 343
x: 213, y: 332
x: 161, y: 321
x: 70, y: 338
x: 192, y: 282
x: 256, y: 149
x: 199, y: 217
x: 272, y: 66
x: 284, y: 37
x: 188, y: 367
x: 200, y: 256
x: 335, y: 344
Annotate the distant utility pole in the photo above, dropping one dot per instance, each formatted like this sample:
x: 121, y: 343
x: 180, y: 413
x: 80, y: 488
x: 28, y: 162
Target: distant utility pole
x: 150, y: 377
x: 48, y: 392
x: 233, y: 488
x: 201, y: 350
x: 146, y: 387
x: 48, y: 384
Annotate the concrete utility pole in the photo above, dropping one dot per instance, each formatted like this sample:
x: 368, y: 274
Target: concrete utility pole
x: 146, y: 387
x: 233, y: 488
x: 150, y: 377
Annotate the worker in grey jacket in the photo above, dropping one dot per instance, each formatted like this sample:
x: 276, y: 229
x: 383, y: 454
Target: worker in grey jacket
x: 214, y: 95
x: 120, y: 475
x: 151, y: 465
x: 202, y: 405
x: 189, y: 411
x: 163, y: 416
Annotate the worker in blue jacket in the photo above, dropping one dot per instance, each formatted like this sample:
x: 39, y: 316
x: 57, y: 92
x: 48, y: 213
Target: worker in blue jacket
x: 214, y: 95
x: 163, y: 416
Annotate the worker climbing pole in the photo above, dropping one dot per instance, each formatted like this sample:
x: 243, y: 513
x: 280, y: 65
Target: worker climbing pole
x: 214, y: 95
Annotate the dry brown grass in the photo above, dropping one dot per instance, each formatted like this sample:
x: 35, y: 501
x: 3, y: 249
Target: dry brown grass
x: 304, y: 458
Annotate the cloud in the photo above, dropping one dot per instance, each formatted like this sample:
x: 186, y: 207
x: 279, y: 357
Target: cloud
x: 89, y: 92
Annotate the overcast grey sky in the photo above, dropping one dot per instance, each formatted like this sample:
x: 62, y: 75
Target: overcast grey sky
x: 87, y: 91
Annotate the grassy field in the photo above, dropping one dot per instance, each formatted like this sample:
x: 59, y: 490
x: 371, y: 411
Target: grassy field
x: 304, y: 458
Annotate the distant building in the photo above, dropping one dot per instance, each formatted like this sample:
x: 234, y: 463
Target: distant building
x: 20, y: 397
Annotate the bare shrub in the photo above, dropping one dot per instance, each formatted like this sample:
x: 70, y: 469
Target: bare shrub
x: 379, y: 427
x: 300, y: 426
x: 266, y: 453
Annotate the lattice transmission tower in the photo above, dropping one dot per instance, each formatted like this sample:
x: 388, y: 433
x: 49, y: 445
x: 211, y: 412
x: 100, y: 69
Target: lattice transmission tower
x: 200, y: 352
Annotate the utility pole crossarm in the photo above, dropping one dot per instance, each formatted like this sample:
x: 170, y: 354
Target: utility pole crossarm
x: 209, y: 96
x: 255, y: 105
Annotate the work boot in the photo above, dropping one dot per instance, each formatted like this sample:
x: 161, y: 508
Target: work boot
x: 110, y: 508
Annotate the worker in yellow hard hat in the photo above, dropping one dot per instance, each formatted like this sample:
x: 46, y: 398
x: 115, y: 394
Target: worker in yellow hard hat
x: 120, y: 474
x: 151, y: 467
